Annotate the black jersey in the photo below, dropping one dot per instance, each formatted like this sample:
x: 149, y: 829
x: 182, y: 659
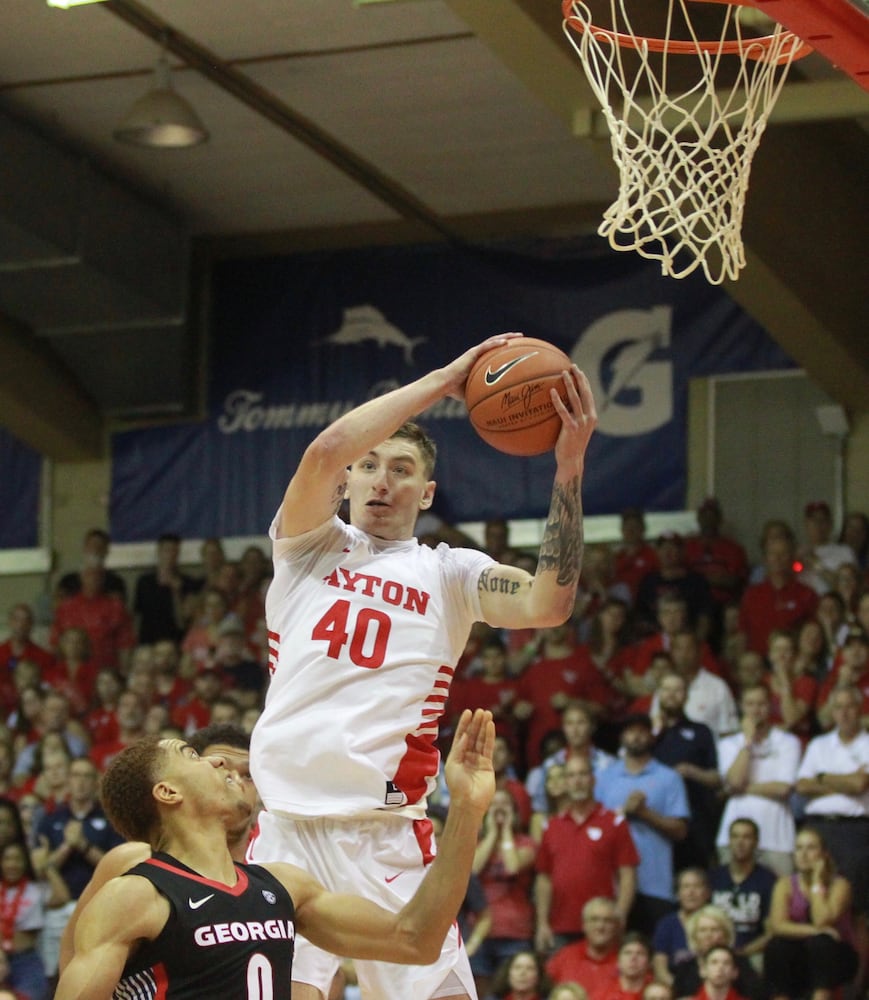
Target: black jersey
x: 219, y: 943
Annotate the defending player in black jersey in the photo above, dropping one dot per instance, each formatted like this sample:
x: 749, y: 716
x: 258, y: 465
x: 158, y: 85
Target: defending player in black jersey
x: 190, y: 923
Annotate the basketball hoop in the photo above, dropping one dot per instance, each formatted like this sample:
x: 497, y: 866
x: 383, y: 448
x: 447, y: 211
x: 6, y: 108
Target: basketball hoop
x: 684, y: 158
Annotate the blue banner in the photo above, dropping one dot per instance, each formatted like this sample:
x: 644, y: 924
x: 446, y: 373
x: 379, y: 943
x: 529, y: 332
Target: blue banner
x: 20, y: 472
x: 296, y: 341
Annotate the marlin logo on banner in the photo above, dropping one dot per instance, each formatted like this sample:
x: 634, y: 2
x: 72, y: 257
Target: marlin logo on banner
x: 362, y: 323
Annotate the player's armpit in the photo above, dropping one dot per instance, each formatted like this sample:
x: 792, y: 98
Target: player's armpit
x: 125, y: 911
x: 117, y: 861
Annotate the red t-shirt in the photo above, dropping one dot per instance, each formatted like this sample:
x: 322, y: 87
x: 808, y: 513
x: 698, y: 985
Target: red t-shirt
x: 499, y: 698
x: 582, y: 861
x: 765, y: 608
x: 613, y: 990
x: 714, y: 556
x: 573, y: 964
x: 105, y: 619
x: 631, y: 567
x: 805, y: 689
x: 79, y: 689
x: 509, y: 896
x: 538, y: 684
x: 831, y: 680
x: 644, y: 651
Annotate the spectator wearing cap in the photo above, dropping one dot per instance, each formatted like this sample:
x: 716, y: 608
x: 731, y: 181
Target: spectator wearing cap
x: 674, y: 578
x: 721, y: 560
x: 834, y: 777
x: 653, y: 798
x: 779, y: 601
x: 850, y: 670
x: 820, y: 557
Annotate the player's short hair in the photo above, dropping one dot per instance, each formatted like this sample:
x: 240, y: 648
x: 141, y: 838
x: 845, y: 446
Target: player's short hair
x: 411, y: 431
x: 127, y: 787
x: 227, y: 733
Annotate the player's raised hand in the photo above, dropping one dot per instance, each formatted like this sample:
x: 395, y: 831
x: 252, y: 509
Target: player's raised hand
x: 457, y: 371
x: 468, y: 770
x: 578, y: 415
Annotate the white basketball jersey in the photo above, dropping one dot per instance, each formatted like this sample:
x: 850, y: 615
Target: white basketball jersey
x: 363, y: 638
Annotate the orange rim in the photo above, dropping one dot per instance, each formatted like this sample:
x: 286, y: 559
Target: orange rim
x: 753, y: 48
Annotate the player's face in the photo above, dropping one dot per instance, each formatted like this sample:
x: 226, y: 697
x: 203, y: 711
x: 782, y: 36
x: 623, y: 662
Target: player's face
x: 205, y: 781
x: 387, y: 488
x: 236, y: 760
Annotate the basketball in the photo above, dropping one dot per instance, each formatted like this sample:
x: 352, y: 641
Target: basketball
x: 507, y: 395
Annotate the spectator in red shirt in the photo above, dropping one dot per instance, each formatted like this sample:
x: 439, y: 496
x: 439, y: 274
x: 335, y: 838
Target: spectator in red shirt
x: 103, y: 616
x: 20, y: 644
x: 853, y: 670
x: 505, y: 777
x: 547, y: 685
x: 597, y: 585
x: 195, y: 711
x: 633, y: 970
x: 792, y: 695
x: 18, y: 648
x: 718, y: 968
x: 73, y: 671
x: 674, y: 577
x: 779, y: 601
x: 493, y: 690
x: 521, y: 977
x: 102, y: 720
x: 504, y: 864
x: 131, y: 722
x: 592, y: 961
x: 586, y: 853
x: 171, y: 688
x: 672, y: 617
x: 720, y: 559
x: 635, y: 557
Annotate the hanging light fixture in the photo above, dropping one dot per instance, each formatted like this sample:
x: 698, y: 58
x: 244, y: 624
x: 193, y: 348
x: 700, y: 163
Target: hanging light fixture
x: 162, y: 119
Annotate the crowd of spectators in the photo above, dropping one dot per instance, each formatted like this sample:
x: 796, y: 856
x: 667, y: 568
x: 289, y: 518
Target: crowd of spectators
x: 682, y: 768
x: 168, y: 652
x: 685, y: 741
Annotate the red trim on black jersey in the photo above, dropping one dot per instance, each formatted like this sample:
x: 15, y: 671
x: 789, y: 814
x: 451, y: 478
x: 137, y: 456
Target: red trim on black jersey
x: 232, y: 890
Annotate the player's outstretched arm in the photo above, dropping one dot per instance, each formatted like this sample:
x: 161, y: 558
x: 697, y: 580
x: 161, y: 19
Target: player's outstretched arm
x: 115, y: 862
x: 355, y: 927
x: 123, y: 912
x: 317, y: 488
x: 511, y: 598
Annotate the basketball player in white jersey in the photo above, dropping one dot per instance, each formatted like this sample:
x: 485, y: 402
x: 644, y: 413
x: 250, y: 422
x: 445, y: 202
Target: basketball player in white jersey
x: 365, y: 626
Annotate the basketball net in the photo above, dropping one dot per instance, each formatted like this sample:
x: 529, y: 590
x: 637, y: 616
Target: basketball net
x: 684, y: 158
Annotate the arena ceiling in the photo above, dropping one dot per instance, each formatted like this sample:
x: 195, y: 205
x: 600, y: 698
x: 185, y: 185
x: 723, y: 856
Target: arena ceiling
x: 342, y: 123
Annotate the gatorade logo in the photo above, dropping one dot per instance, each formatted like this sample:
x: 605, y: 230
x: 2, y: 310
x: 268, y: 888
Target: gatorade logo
x: 632, y: 385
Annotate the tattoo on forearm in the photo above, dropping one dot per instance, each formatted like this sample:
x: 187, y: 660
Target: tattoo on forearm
x: 338, y: 496
x: 561, y: 548
x: 491, y: 583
